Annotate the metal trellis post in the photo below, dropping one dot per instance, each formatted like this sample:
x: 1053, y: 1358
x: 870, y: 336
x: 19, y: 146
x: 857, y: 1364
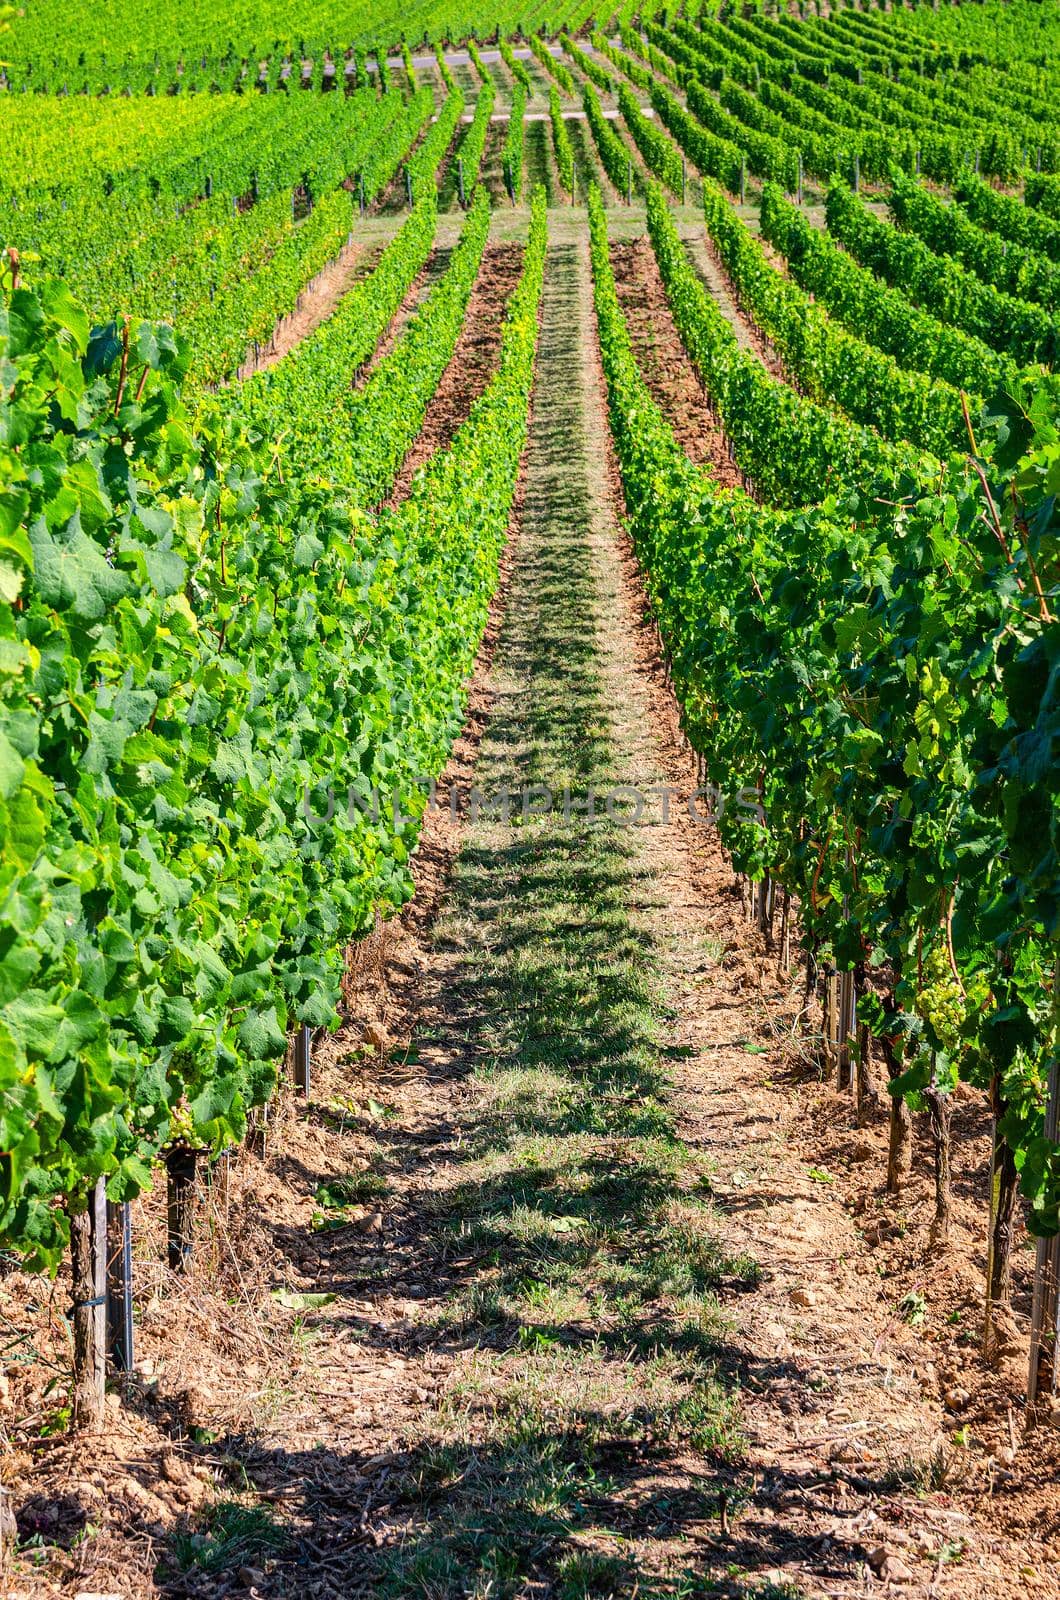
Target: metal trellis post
x: 119, y: 1286
x: 303, y: 1052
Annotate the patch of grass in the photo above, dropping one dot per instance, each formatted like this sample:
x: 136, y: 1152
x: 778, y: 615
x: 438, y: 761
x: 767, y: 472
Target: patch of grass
x: 492, y: 1519
x: 594, y: 1254
x: 590, y: 1391
x: 592, y: 1575
x: 735, y: 1586
x: 354, y: 1189
x: 230, y: 1535
x: 926, y: 1474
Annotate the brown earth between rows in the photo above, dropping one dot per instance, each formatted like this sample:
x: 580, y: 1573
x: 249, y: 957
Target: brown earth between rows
x: 662, y: 358
x: 473, y: 362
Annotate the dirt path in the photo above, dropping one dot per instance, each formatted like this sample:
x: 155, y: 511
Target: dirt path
x: 491, y: 172
x: 588, y: 168
x: 704, y: 257
x: 473, y: 361
x: 430, y: 274
x: 539, y: 165
x: 665, y: 363
x: 315, y: 304
x: 556, y: 1223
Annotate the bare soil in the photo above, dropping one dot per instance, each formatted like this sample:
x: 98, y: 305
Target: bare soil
x: 433, y: 268
x: 670, y: 375
x: 707, y: 262
x: 473, y: 363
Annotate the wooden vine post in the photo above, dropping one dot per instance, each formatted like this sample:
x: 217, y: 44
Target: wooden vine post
x: 867, y: 1093
x: 785, y: 933
x: 88, y: 1268
x: 765, y: 905
x: 843, y: 1013
x: 1045, y: 1308
x: 900, y: 1139
x: 1004, y: 1181
x: 937, y: 1101
x: 830, y: 1029
x: 813, y: 976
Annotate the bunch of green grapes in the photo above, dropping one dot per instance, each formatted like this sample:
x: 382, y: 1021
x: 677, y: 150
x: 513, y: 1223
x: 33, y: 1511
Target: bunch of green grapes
x: 182, y: 1131
x: 942, y: 1003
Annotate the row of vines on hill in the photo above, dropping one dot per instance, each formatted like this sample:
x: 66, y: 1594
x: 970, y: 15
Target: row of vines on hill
x: 199, y: 656
x: 896, y: 791
x: 909, y: 646
x: 906, y: 796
